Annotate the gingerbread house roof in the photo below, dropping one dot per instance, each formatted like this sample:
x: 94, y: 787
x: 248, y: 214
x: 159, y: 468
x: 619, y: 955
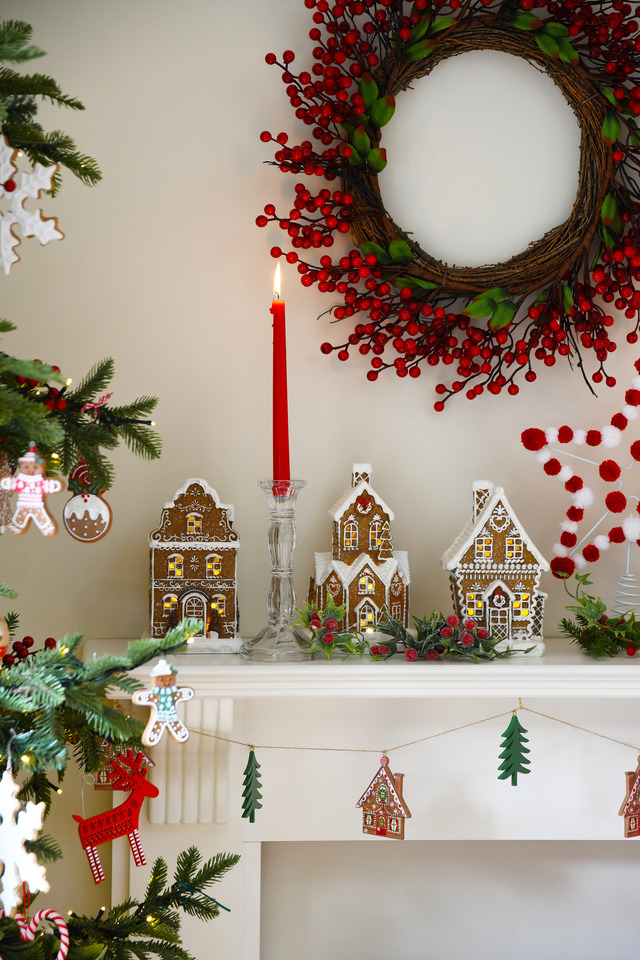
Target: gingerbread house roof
x: 198, y: 488
x: 347, y: 573
x: 350, y: 495
x: 631, y: 803
x: 384, y: 775
x: 465, y: 538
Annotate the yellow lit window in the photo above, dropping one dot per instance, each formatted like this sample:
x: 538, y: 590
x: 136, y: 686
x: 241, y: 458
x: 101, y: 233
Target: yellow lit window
x: 375, y: 534
x: 484, y: 548
x: 214, y: 566
x: 513, y: 548
x: 366, y: 584
x: 367, y: 619
x: 194, y: 523
x: 521, y: 604
x: 474, y: 604
x: 175, y: 565
x: 351, y: 535
x: 218, y: 604
x: 170, y: 603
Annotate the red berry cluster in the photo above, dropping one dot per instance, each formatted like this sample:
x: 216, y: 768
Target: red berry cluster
x: 22, y: 650
x: 400, y: 327
x: 51, y: 397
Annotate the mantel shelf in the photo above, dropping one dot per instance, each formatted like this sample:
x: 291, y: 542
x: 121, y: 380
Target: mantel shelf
x: 563, y: 671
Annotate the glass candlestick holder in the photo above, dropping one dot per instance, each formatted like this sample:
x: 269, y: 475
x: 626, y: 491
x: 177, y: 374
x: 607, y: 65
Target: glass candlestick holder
x: 277, y: 641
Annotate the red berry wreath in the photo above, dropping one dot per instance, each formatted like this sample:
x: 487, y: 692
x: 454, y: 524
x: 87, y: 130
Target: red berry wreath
x: 491, y: 324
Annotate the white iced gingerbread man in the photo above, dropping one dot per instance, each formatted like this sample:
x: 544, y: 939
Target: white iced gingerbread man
x: 162, y: 699
x: 31, y: 486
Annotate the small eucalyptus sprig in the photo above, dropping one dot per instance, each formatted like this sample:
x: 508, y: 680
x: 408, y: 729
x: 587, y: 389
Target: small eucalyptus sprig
x: 326, y: 638
x: 598, y: 634
x: 439, y: 636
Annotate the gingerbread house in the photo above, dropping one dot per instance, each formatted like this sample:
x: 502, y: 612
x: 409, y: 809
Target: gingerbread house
x: 194, y: 567
x: 630, y: 808
x: 495, y: 572
x: 383, y: 807
x: 363, y: 571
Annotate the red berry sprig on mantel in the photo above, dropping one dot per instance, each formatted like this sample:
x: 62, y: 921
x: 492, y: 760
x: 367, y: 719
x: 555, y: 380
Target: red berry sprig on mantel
x: 404, y: 308
x: 23, y: 649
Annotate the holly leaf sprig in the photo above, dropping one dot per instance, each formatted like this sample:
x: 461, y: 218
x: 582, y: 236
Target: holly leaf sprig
x: 439, y: 636
x: 326, y: 637
x: 597, y: 633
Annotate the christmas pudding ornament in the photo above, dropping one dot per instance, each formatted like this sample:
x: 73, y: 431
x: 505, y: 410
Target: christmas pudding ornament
x: 32, y: 486
x: 20, y: 865
x: 86, y: 516
x: 405, y: 308
x: 383, y: 807
x: 630, y: 808
x: 28, y: 928
x: 163, y: 698
x: 513, y: 756
x: 15, y: 189
x: 574, y: 552
x: 128, y: 772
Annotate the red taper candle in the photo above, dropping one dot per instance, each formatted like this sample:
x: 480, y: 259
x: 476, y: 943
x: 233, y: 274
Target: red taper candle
x: 281, y: 469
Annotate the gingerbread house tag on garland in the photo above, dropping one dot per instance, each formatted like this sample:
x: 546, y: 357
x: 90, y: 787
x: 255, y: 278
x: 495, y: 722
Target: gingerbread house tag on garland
x: 495, y: 572
x: 630, y: 808
x: 363, y: 571
x: 193, y: 568
x: 383, y: 807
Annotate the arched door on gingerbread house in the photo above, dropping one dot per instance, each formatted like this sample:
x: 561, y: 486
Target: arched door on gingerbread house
x: 195, y: 605
x: 367, y: 614
x: 499, y: 614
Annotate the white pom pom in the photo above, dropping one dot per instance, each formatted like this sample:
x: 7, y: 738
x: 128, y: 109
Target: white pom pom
x: 602, y: 542
x: 565, y: 474
x: 631, y: 528
x: 569, y: 526
x: 629, y: 412
x: 551, y: 433
x: 583, y: 498
x: 543, y: 455
x: 635, y: 383
x: 559, y: 550
x: 580, y: 561
x: 579, y: 436
x: 611, y: 436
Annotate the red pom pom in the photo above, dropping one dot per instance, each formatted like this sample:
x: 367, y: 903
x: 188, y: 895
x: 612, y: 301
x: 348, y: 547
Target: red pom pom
x: 590, y: 553
x: 9, y: 185
x: 631, y: 651
x: 533, y: 439
x: 616, y: 535
x: 619, y: 420
x: 635, y: 450
x: 552, y: 467
x: 565, y: 435
x: 615, y: 501
x: 609, y: 470
x: 562, y: 567
x: 568, y: 539
x: 594, y: 438
x: 575, y: 513
x: 632, y: 397
x: 574, y: 484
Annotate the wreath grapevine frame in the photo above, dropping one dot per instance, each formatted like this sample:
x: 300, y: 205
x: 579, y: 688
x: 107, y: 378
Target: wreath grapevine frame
x: 492, y: 324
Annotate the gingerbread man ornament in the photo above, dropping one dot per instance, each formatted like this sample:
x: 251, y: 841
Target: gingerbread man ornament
x: 162, y: 699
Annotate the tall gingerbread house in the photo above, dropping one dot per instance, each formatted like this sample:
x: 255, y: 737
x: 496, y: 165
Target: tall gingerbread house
x: 495, y: 570
x: 630, y: 808
x: 194, y: 567
x: 363, y: 571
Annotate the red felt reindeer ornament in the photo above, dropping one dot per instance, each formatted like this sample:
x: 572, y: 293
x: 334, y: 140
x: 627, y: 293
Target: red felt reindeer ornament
x: 128, y: 772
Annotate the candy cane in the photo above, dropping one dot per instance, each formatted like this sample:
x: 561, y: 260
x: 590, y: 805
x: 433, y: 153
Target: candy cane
x: 28, y: 929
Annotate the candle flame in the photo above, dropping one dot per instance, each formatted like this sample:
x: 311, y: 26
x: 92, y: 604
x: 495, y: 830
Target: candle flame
x: 276, y: 284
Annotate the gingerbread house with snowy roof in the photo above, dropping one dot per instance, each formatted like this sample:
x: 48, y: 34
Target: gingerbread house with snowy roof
x: 363, y: 571
x: 193, y: 567
x: 630, y: 808
x: 495, y: 571
x: 383, y: 807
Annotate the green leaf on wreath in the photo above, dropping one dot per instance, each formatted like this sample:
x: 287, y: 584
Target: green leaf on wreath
x: 567, y: 53
x: 608, y: 94
x: 361, y: 142
x: 634, y: 138
x: 377, y: 159
x: 420, y: 29
x: 610, y: 129
x: 548, y: 45
x: 608, y: 210
x: 556, y: 29
x: 503, y: 315
x: 442, y: 23
x: 368, y: 246
x: 414, y: 283
x: 400, y: 251
x: 609, y: 242
x: 567, y: 297
x: 382, y: 111
x: 420, y: 49
x: 348, y: 127
x: 527, y: 21
x: 542, y: 297
x: 485, y: 303
x: 368, y: 89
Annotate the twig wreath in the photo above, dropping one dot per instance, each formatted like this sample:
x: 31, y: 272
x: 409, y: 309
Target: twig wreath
x: 493, y: 323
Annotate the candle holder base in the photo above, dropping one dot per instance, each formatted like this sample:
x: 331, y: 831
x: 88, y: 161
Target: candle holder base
x: 275, y: 644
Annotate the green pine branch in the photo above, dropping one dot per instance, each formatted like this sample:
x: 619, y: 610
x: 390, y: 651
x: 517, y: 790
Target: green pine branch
x: 15, y: 42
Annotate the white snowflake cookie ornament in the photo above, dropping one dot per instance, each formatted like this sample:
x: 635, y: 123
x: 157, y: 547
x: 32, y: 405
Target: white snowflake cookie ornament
x: 15, y: 188
x: 20, y: 866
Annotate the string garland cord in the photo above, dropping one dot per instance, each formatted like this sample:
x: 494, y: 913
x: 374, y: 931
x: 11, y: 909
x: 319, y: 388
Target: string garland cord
x: 575, y: 726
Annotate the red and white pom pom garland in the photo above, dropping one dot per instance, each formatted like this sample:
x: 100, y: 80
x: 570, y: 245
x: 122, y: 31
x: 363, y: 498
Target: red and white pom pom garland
x: 569, y: 553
